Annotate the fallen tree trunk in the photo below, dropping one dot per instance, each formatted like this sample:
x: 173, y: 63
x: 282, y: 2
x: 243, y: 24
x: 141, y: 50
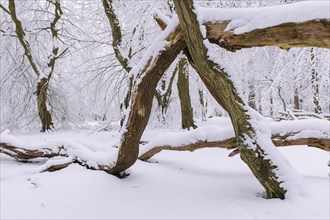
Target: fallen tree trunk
x: 278, y: 140
x: 315, y: 33
x: 55, y: 163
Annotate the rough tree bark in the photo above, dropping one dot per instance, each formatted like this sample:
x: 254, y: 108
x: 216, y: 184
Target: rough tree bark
x: 187, y: 116
x: 223, y: 90
x: 141, y: 102
x: 313, y: 33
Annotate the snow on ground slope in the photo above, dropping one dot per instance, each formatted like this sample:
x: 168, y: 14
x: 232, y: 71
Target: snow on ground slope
x: 204, y: 184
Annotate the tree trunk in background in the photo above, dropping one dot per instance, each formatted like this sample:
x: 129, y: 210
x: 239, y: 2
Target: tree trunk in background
x: 223, y: 90
x: 116, y: 45
x: 163, y: 97
x: 203, y: 104
x: 187, y: 116
x: 252, y: 96
x: 42, y: 86
x: 315, y: 83
x: 296, y: 99
x: 271, y: 106
x: 44, y: 114
x: 281, y: 97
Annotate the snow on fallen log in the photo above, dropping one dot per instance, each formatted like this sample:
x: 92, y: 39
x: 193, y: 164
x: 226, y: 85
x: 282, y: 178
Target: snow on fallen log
x: 92, y: 156
x: 285, y: 26
x: 63, y: 152
x: 310, y: 132
x: 242, y: 20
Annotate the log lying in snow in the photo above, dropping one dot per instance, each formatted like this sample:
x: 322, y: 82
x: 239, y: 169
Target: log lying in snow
x: 308, y: 132
x: 278, y: 140
x: 315, y: 33
x: 312, y: 33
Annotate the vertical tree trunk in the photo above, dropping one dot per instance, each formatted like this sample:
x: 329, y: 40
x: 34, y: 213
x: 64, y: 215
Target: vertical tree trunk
x: 42, y: 86
x: 203, y: 104
x: 296, y: 99
x: 223, y: 90
x: 281, y: 97
x: 271, y: 106
x: 252, y: 96
x: 187, y: 117
x: 44, y: 114
x: 315, y: 83
x: 163, y: 96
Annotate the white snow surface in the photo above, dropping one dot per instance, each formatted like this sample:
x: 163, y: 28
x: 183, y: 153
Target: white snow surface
x: 247, y: 19
x: 204, y: 184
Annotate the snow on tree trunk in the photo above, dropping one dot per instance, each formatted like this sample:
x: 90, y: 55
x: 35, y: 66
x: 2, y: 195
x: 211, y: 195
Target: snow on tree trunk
x: 254, y: 144
x: 147, y: 74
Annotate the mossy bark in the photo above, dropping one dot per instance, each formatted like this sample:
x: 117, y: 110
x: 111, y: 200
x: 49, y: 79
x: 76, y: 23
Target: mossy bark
x: 187, y: 116
x: 223, y: 90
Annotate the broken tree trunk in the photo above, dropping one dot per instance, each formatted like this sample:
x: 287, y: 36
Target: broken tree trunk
x: 315, y: 33
x: 223, y: 90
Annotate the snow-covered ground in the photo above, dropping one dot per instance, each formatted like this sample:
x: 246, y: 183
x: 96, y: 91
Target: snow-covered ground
x: 204, y: 184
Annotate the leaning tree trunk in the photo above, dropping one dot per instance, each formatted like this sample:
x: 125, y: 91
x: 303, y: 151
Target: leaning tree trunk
x: 223, y: 90
x: 187, y: 116
x: 141, y: 102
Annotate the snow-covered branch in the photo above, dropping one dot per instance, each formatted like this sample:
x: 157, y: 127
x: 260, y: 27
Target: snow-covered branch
x: 311, y: 133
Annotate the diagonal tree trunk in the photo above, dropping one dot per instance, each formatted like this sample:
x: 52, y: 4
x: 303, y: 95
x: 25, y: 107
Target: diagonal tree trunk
x: 141, y: 103
x: 223, y: 90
